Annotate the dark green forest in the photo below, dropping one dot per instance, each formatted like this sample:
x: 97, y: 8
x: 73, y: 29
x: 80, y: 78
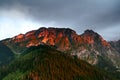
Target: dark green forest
x: 46, y: 63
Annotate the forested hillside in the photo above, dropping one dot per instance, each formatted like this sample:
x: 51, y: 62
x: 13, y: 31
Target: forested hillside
x: 46, y: 63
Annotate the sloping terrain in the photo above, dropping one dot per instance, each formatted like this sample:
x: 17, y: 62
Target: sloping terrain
x: 6, y: 55
x: 46, y: 63
x: 89, y: 46
x: 115, y: 45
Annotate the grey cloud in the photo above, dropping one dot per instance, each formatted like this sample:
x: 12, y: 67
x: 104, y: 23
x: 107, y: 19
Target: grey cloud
x: 77, y: 14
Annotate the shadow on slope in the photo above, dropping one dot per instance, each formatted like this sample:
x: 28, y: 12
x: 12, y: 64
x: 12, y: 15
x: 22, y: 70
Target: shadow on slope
x: 46, y: 63
x: 6, y: 55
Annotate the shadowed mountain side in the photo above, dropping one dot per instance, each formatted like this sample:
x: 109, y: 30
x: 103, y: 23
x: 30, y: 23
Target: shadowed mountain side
x: 6, y: 55
x: 89, y: 46
x: 46, y: 63
x: 115, y: 45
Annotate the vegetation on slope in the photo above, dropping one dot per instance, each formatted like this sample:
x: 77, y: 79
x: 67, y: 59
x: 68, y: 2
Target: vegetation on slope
x: 6, y: 55
x: 45, y: 63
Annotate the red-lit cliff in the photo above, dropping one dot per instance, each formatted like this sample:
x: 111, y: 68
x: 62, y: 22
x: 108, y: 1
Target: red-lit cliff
x: 89, y: 46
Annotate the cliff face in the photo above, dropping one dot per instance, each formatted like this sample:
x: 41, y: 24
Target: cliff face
x: 91, y: 37
x: 115, y: 45
x: 63, y: 38
x: 89, y: 46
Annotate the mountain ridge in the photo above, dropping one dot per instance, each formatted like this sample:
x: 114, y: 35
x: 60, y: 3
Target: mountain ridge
x: 89, y: 46
x: 60, y: 32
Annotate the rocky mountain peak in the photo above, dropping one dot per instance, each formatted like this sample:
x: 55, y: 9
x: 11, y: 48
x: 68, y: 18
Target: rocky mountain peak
x: 87, y: 46
x: 92, y: 37
x: 89, y: 31
x: 63, y: 38
x: 60, y: 37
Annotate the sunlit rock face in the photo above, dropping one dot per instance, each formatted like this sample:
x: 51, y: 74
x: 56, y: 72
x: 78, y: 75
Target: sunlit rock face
x: 91, y: 37
x: 89, y: 46
x: 62, y: 38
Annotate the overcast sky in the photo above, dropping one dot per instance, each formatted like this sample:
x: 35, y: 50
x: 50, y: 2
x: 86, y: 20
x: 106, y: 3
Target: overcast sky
x: 20, y: 16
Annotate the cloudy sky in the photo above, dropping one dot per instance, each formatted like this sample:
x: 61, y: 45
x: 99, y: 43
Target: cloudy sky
x: 20, y: 16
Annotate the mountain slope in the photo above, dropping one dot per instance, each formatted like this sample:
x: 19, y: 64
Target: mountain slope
x: 46, y: 63
x: 6, y: 55
x: 115, y: 45
x: 89, y: 46
x: 98, y: 51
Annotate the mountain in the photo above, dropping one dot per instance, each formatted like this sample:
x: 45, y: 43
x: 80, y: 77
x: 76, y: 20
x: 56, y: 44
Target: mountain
x: 115, y: 45
x: 89, y: 46
x: 6, y: 55
x: 46, y: 63
x: 46, y: 52
x: 63, y: 38
x: 97, y: 51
